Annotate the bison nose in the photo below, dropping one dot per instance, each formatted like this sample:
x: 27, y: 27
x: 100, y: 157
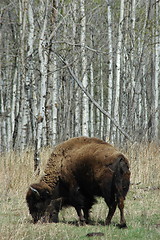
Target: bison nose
x: 35, y: 220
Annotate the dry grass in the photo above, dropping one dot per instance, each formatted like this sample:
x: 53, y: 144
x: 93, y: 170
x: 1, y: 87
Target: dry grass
x: 145, y: 164
x: 142, y: 204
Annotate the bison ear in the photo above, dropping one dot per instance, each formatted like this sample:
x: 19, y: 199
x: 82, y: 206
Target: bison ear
x: 35, y: 191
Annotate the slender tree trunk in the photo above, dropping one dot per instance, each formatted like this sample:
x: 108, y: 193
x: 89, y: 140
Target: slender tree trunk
x: 85, y: 110
x: 23, y: 127
x: 157, y: 71
x: 78, y: 130
x: 110, y: 71
x: 52, y: 101
x: 131, y: 111
x: 118, y: 68
x: 92, y: 106
x: 30, y: 78
x: 3, y: 136
x: 54, y: 97
x: 41, y: 121
x: 101, y: 98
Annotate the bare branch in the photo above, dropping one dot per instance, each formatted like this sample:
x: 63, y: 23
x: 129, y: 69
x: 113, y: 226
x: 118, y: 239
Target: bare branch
x: 93, y: 101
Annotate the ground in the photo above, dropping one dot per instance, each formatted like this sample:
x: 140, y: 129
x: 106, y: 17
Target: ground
x: 142, y: 205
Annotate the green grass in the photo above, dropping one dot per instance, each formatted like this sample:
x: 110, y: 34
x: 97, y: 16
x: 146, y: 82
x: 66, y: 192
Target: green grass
x: 142, y: 206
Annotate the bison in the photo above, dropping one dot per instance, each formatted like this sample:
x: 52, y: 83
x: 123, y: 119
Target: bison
x: 79, y: 170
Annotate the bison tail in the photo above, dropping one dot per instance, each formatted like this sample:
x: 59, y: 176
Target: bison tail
x: 122, y: 177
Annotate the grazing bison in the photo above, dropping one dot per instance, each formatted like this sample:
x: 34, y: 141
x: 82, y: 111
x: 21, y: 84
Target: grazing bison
x: 79, y: 170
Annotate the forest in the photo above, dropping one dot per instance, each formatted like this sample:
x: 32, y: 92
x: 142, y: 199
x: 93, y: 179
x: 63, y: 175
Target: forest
x: 72, y: 68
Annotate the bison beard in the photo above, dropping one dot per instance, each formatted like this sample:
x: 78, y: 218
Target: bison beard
x: 79, y: 170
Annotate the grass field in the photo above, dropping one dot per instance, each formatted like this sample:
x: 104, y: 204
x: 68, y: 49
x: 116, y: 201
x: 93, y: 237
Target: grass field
x: 142, y: 206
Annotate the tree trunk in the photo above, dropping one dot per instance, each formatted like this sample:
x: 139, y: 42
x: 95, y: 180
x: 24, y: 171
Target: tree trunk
x: 30, y: 78
x: 24, y: 108
x: 110, y: 70
x: 118, y: 69
x: 157, y: 72
x: 43, y: 57
x: 85, y: 107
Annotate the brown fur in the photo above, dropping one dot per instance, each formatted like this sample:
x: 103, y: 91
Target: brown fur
x: 68, y: 154
x: 80, y: 169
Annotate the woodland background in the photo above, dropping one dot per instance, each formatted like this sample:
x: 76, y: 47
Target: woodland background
x: 72, y: 68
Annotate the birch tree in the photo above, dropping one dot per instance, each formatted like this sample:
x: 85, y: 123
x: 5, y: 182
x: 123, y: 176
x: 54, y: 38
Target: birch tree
x: 52, y: 88
x: 110, y: 70
x: 85, y: 109
x: 30, y: 76
x: 24, y: 108
x: 157, y: 70
x: 2, y: 118
x: 76, y: 70
x: 118, y: 65
x: 43, y: 58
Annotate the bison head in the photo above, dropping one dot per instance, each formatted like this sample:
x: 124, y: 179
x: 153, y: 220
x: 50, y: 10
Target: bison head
x: 38, y: 198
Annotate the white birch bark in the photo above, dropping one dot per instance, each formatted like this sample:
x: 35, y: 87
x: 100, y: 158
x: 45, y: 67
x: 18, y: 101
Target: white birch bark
x: 118, y: 65
x: 7, y: 102
x: 78, y: 104
x: 85, y: 110
x: 101, y: 98
x: 13, y: 102
x: 3, y: 125
x: 133, y: 94
x: 144, y: 112
x: 52, y: 102
x: 8, y: 120
x: 157, y: 72
x: 30, y: 78
x: 24, y: 90
x: 98, y: 113
x: 92, y: 94
x: 55, y: 100
x: 141, y: 50
x: 43, y: 57
x: 110, y: 70
x: 2, y: 121
x: 3, y: 136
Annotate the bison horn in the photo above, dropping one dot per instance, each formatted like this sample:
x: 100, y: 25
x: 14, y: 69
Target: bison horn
x: 35, y: 190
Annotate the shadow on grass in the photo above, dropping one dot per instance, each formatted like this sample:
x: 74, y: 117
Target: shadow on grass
x: 77, y: 223
x: 91, y: 223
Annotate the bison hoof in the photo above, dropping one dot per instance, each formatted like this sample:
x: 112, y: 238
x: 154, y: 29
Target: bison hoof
x: 122, y: 225
x: 53, y: 219
x: 82, y: 223
x: 107, y: 223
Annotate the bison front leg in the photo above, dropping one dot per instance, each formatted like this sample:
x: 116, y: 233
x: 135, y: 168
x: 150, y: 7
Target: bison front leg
x: 51, y: 214
x: 86, y: 214
x: 80, y: 216
x: 121, y: 208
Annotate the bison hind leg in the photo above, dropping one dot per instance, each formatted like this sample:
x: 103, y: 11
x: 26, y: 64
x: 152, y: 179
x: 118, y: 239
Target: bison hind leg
x: 112, y: 209
x: 121, y: 208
